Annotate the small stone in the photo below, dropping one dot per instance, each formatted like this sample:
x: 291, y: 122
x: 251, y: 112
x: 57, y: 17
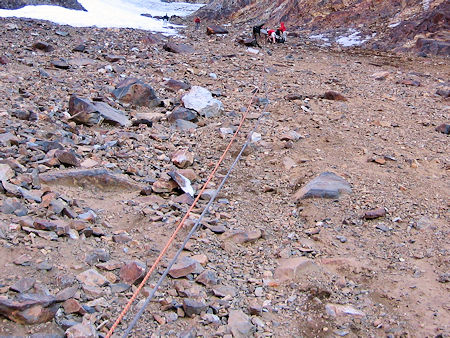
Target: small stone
x: 375, y: 213
x: 207, y: 277
x: 183, y: 158
x: 193, y: 307
x: 239, y: 324
x: 184, y: 267
x: 122, y: 238
x: 223, y: 291
x: 73, y: 306
x: 43, y: 46
x: 443, y: 128
x: 92, y: 278
x: 336, y: 310
x: 335, y: 96
x: 132, y: 272
x: 82, y: 330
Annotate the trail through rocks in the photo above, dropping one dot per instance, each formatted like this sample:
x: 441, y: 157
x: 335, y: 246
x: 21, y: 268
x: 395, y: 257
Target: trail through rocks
x: 334, y: 223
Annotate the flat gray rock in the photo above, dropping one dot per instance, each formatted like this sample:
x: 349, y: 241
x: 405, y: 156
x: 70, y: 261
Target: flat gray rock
x: 326, y: 185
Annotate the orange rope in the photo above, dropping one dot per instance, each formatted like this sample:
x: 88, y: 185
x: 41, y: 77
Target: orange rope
x: 180, y: 225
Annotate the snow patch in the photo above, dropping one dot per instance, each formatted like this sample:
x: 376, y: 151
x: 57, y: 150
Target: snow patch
x: 109, y: 13
x: 354, y: 39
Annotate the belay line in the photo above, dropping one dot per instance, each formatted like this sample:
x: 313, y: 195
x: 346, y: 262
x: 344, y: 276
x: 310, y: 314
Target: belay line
x: 195, y: 226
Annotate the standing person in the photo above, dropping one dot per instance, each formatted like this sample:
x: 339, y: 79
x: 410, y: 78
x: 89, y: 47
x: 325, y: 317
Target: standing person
x: 197, y: 22
x: 283, y: 31
x: 165, y: 20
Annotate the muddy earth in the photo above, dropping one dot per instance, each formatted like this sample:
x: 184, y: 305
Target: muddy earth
x: 335, y: 221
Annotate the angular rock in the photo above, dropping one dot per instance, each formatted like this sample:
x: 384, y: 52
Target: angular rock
x: 443, y: 128
x: 67, y: 157
x: 224, y: 290
x: 375, y: 213
x: 66, y: 293
x: 184, y: 267
x: 326, y: 185
x: 164, y: 186
x: 185, y: 125
x: 201, y: 100
x: 214, y: 29
x: 23, y: 285
x: 182, y: 113
x: 29, y: 309
x: 73, y: 306
x: 178, y: 48
x: 174, y: 85
x: 183, y: 183
x: 6, y: 172
x: 92, y: 278
x: 136, y: 92
x: 3, y: 60
x: 82, y: 330
x: 207, y: 277
x: 43, y: 46
x: 241, y: 236
x: 132, y: 272
x: 86, y: 112
x: 239, y: 324
x: 61, y: 64
x: 336, y: 310
x: 183, y: 158
x: 193, y: 307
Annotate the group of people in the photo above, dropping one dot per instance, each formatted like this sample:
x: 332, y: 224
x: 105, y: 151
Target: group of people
x: 273, y: 35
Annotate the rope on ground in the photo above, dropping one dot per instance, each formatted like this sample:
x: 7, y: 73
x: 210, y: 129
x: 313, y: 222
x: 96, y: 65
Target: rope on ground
x: 180, y: 225
x: 193, y: 230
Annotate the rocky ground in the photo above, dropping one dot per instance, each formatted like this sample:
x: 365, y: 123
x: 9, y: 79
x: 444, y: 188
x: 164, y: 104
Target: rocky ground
x: 89, y: 201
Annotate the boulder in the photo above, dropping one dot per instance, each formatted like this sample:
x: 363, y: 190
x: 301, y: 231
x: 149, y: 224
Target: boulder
x: 201, y: 100
x: 136, y: 92
x: 89, y: 113
x: 239, y: 324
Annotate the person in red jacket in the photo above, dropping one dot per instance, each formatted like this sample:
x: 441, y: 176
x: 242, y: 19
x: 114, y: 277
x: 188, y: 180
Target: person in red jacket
x: 271, y: 35
x: 197, y: 22
x: 283, y: 31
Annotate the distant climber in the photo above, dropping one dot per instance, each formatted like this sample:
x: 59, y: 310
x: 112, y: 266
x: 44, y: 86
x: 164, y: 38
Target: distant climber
x: 165, y: 20
x: 197, y: 22
x: 283, y: 31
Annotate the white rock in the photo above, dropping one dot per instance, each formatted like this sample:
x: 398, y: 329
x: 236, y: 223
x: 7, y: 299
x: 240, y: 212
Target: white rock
x: 200, y: 99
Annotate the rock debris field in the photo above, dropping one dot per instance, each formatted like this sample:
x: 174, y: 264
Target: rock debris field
x: 335, y: 222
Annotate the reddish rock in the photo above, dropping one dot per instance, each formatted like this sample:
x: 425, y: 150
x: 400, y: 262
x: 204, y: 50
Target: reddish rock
x: 207, y: 277
x: 443, y: 128
x: 136, y: 92
x: 132, y: 272
x: 29, y: 309
x: 66, y: 293
x: 67, y: 157
x: 375, y: 213
x: 241, y: 236
x: 213, y: 29
x: 82, y: 330
x: 73, y: 306
x: 182, y: 113
x: 184, y: 267
x: 164, y: 186
x: 122, y: 238
x: 174, y: 85
x: 43, y: 46
x: 335, y: 96
x: 3, y: 60
x: 42, y: 224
